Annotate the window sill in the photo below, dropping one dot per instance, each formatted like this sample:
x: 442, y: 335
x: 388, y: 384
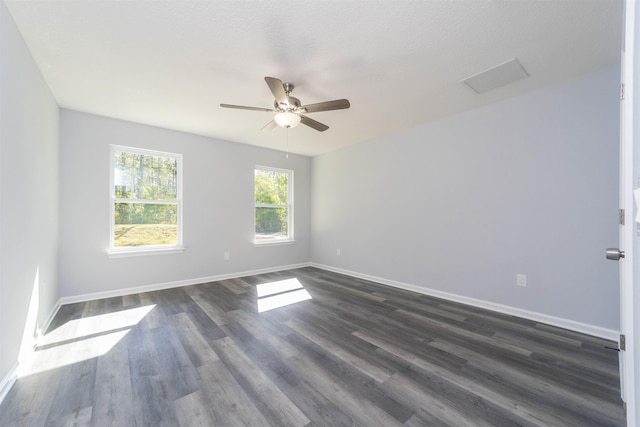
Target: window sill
x: 273, y: 242
x: 155, y: 250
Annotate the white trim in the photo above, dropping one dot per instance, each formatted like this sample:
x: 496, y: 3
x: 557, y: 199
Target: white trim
x: 8, y: 381
x: 273, y: 242
x: 584, y: 328
x: 12, y: 376
x: 129, y: 251
x: 52, y: 315
x: 144, y: 151
x: 629, y: 142
x: 175, y: 284
x: 145, y: 201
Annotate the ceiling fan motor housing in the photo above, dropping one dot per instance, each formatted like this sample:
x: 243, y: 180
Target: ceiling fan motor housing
x: 290, y: 103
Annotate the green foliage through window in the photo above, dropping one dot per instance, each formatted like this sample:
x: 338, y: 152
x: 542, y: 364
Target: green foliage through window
x: 145, y: 191
x: 272, y: 201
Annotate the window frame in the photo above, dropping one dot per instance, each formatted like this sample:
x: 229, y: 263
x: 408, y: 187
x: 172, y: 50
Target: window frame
x: 289, y: 206
x: 123, y: 251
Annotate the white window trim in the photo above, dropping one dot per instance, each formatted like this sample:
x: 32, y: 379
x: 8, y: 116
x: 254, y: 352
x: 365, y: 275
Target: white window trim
x: 145, y: 250
x: 127, y: 251
x: 290, y: 226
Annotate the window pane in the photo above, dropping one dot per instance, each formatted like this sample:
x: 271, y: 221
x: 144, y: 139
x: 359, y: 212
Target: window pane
x: 144, y: 176
x: 271, y: 187
x: 138, y: 224
x: 271, y: 223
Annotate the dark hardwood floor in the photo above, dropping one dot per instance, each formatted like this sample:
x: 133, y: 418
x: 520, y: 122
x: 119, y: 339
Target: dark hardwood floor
x: 352, y: 353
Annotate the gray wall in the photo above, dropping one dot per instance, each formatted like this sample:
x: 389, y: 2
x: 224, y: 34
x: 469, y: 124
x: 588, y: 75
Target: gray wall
x: 28, y: 196
x: 218, y: 207
x: 462, y: 205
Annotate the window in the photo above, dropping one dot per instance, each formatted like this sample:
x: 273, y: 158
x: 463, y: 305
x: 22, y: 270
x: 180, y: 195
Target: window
x: 146, y: 202
x: 273, y: 190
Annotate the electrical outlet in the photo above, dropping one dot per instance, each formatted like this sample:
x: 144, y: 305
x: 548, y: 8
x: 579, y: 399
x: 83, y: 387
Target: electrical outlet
x: 338, y: 252
x: 227, y: 256
x: 521, y: 280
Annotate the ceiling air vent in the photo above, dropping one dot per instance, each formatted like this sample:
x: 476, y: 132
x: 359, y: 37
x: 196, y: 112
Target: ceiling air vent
x: 498, y: 76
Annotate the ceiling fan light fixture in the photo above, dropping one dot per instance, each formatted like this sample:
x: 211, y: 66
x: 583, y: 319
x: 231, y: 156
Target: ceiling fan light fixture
x: 289, y: 111
x: 287, y: 119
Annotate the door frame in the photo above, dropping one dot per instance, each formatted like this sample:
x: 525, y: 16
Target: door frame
x: 630, y: 232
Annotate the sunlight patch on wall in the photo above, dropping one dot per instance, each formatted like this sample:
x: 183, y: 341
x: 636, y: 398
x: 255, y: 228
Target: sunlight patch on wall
x: 83, y: 339
x: 280, y: 294
x: 30, y: 329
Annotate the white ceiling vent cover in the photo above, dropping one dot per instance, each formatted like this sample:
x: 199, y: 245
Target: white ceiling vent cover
x: 498, y: 76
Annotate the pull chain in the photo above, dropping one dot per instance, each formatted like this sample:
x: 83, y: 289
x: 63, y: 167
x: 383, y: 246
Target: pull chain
x: 287, y: 143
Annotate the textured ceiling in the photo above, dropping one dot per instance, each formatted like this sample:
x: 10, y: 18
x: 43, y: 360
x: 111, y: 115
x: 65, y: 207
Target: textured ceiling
x: 400, y: 63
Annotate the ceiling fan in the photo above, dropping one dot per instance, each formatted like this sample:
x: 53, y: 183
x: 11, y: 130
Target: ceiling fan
x: 289, y: 111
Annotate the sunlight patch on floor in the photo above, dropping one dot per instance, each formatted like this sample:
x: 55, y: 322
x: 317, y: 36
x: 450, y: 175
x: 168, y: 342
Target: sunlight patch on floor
x: 280, y: 294
x: 83, y: 339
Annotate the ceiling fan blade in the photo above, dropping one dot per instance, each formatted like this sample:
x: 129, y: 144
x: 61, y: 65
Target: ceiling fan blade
x: 338, y: 104
x: 242, y: 107
x: 313, y: 123
x: 277, y: 88
x: 269, y: 126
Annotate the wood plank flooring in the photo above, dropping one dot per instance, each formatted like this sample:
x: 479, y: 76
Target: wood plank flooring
x: 355, y: 353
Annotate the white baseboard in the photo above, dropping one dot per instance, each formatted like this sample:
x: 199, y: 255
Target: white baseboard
x: 7, y: 382
x: 597, y: 331
x: 24, y: 360
x: 572, y: 325
x: 49, y: 319
x: 174, y: 284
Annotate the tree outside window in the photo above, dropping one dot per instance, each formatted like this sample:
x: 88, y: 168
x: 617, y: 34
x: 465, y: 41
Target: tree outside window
x: 146, y: 203
x: 273, y: 191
